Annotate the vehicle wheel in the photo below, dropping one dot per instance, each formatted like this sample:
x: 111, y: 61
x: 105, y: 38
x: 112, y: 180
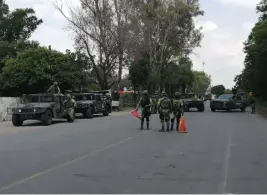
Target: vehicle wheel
x: 89, y: 113
x: 213, y: 109
x: 16, y: 120
x: 243, y: 109
x: 201, y: 109
x: 106, y: 112
x: 71, y: 116
x: 47, y: 118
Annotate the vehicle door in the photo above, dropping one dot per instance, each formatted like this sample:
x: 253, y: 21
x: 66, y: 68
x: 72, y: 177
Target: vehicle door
x: 99, y: 103
x: 240, y: 101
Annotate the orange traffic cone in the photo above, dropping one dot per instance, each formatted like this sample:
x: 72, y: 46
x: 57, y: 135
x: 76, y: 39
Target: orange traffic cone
x: 182, y: 126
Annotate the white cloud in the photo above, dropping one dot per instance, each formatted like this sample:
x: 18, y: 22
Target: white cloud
x: 221, y: 47
x: 206, y: 25
x: 241, y: 3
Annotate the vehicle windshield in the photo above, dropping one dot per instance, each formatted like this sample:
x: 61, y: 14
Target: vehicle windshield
x: 225, y: 97
x: 46, y: 98
x: 79, y: 97
x: 84, y: 97
x: 89, y: 97
x: 33, y: 98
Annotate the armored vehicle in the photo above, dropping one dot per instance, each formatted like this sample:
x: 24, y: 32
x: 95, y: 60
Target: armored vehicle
x: 105, y: 94
x: 89, y: 104
x: 230, y: 102
x: 190, y: 101
x: 43, y: 107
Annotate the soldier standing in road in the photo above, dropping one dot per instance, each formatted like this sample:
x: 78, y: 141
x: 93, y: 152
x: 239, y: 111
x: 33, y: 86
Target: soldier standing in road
x: 54, y: 88
x: 144, y: 102
x: 177, y: 106
x: 253, y: 103
x: 165, y: 109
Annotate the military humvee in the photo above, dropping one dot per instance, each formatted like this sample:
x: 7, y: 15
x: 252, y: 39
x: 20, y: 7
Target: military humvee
x: 190, y: 101
x: 89, y: 104
x: 43, y: 107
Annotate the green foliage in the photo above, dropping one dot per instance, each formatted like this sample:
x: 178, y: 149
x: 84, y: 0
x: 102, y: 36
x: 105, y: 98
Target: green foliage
x: 139, y: 73
x: 201, y: 82
x: 218, y: 90
x: 33, y: 70
x: 253, y: 77
x: 18, y: 24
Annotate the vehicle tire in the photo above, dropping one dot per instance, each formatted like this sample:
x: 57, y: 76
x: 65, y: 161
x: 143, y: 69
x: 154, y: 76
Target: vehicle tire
x: 71, y: 117
x: 16, y: 120
x: 201, y: 109
x: 89, y: 113
x: 213, y: 109
x: 109, y: 109
x: 106, y: 112
x: 47, y: 117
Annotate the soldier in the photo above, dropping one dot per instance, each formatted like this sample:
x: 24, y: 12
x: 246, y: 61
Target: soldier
x: 144, y: 102
x: 253, y: 103
x: 54, y: 88
x: 177, y: 110
x: 165, y: 109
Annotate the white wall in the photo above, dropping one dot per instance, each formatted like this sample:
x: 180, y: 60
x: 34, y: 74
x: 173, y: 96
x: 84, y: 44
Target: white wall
x: 6, y: 102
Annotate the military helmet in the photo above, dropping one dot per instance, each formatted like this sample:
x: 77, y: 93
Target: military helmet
x: 55, y: 83
x: 177, y: 95
x: 145, y: 92
x: 163, y: 93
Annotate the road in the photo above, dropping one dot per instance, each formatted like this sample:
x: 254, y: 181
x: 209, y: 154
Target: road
x: 222, y: 153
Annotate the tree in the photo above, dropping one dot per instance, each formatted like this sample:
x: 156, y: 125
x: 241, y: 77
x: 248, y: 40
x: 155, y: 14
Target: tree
x: 139, y: 73
x: 17, y: 25
x: 218, y: 90
x: 201, y: 82
x: 33, y: 70
x: 100, y: 29
x: 253, y: 76
x: 166, y: 31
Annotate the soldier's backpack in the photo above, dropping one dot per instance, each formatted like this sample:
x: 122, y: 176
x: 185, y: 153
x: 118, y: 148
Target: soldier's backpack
x: 165, y: 104
x: 145, y: 101
x: 176, y: 105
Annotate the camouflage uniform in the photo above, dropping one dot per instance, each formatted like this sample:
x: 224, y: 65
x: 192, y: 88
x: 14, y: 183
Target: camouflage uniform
x: 177, y: 110
x: 145, y: 109
x: 165, y: 109
x: 54, y: 88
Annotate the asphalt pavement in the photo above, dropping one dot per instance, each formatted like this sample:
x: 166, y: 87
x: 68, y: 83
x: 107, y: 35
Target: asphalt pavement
x: 221, y: 153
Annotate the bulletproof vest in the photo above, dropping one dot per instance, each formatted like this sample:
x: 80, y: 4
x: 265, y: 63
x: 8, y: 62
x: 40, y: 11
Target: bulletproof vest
x: 165, y: 103
x: 176, y: 105
x: 144, y: 101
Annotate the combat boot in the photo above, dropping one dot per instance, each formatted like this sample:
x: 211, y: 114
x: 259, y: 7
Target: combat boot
x: 142, y: 126
x: 172, y: 124
x: 168, y: 127
x: 162, y: 128
x: 147, y: 126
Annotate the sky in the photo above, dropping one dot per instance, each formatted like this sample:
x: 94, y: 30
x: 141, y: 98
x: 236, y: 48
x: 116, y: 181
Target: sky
x: 226, y: 25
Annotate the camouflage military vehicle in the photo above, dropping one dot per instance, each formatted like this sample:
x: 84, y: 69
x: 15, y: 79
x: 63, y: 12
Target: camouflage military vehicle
x: 230, y: 102
x: 105, y: 94
x: 43, y: 107
x: 190, y: 101
x: 90, y: 103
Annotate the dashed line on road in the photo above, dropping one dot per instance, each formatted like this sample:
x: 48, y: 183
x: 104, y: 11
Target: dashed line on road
x: 67, y: 163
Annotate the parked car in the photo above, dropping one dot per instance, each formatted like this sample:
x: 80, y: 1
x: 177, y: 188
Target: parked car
x: 190, y: 101
x: 89, y: 104
x: 43, y: 107
x: 230, y: 102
